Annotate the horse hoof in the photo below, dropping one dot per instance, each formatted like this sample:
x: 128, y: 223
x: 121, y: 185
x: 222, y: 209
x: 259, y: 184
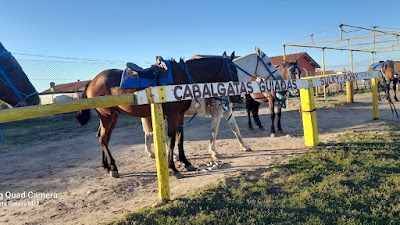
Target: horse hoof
x: 251, y: 128
x: 262, y: 128
x: 114, y: 174
x: 190, y: 168
x: 247, y: 150
x: 151, y: 155
x: 178, y: 175
x: 273, y: 135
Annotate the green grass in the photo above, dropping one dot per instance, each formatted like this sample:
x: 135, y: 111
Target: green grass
x: 52, y: 128
x: 354, y: 181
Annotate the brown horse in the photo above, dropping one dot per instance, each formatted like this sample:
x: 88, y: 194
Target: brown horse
x: 108, y: 83
x: 289, y: 71
x: 15, y: 88
x: 388, y: 75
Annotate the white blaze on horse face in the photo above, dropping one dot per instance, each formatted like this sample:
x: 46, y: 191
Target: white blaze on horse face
x: 251, y: 65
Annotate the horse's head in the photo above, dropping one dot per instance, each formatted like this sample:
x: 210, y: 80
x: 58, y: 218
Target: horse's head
x: 256, y: 66
x: 290, y: 70
x: 15, y: 88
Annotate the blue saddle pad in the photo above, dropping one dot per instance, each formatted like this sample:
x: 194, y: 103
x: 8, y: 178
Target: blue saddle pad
x: 137, y: 82
x: 376, y: 66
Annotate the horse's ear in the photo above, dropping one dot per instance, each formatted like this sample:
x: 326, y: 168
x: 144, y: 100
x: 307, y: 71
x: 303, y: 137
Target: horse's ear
x: 224, y: 55
x: 159, y: 60
x: 258, y: 50
x: 232, y: 56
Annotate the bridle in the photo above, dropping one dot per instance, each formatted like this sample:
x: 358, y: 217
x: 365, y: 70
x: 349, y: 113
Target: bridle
x: 293, y: 67
x: 6, y: 80
x: 259, y: 59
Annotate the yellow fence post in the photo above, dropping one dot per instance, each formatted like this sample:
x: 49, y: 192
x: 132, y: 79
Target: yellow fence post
x: 350, y: 84
x: 157, y: 118
x: 349, y: 92
x: 374, y: 86
x: 309, y: 115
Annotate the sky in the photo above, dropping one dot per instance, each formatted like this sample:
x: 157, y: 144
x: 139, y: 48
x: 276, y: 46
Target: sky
x: 63, y: 41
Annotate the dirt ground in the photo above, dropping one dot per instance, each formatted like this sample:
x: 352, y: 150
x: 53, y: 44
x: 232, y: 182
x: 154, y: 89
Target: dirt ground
x: 85, y: 194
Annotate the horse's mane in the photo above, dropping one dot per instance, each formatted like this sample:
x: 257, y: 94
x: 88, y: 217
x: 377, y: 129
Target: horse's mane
x: 245, y: 56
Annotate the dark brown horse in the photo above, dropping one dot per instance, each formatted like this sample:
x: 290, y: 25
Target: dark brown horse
x: 15, y: 88
x: 289, y: 71
x: 108, y: 83
x: 388, y: 75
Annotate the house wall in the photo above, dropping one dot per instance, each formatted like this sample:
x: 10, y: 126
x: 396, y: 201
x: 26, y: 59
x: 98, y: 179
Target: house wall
x: 57, y: 97
x: 304, y: 64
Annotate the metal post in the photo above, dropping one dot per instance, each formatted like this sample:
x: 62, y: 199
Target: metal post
x: 284, y: 53
x: 323, y: 72
x: 349, y: 84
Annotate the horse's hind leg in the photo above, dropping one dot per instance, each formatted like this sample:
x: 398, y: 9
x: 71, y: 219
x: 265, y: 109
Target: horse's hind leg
x: 272, y: 112
x: 248, y: 117
x: 235, y: 129
x: 182, y: 157
x: 279, y: 119
x: 104, y: 162
x: 107, y: 124
x: 148, y: 136
x: 173, y: 123
x: 394, y: 89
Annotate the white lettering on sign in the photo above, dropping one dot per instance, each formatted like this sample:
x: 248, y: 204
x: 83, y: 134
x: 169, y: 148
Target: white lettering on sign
x: 336, y: 79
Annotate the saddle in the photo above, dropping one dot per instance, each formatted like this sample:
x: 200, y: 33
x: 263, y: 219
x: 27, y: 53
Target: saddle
x: 134, y: 70
x: 135, y: 77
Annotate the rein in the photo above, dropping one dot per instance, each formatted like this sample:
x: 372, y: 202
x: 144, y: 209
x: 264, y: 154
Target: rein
x: 223, y: 102
x: 6, y: 80
x: 260, y: 59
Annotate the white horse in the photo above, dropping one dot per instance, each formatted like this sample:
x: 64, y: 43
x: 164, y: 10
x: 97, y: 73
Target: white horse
x: 249, y: 67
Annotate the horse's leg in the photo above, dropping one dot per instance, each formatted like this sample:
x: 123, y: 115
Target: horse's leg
x: 279, y: 119
x: 148, y: 136
x: 216, y: 114
x: 170, y: 145
x: 104, y: 163
x: 394, y: 89
x: 182, y: 157
x: 272, y: 112
x: 107, y: 124
x: 248, y: 117
x: 256, y: 117
x: 388, y: 91
x: 235, y: 129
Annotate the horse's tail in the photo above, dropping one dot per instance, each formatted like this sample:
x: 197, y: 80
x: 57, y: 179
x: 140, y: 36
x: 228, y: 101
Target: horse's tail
x: 83, y: 116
